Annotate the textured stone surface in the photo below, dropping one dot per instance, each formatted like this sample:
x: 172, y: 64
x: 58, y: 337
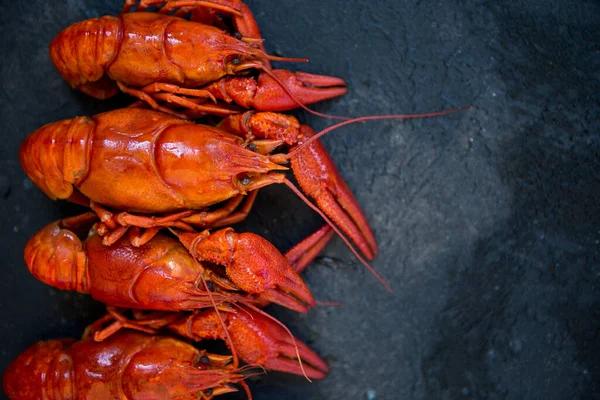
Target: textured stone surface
x: 488, y: 220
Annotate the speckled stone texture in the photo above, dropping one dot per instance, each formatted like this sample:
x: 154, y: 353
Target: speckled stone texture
x: 488, y: 220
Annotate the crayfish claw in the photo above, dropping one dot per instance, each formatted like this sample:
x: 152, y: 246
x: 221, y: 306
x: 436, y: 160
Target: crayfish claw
x: 278, y: 296
x: 306, y: 88
x: 264, y: 93
x: 318, y: 176
x: 266, y: 342
x: 258, y: 339
x: 256, y: 267
x: 288, y: 365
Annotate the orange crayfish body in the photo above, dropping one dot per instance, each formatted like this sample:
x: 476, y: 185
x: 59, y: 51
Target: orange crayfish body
x: 143, y: 161
x: 162, y: 274
x: 128, y: 365
x: 138, y: 49
x: 251, y: 334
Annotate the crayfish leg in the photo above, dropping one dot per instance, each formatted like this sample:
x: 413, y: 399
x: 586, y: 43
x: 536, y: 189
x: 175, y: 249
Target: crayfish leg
x: 115, y: 320
x: 170, y: 94
x: 232, y: 217
x: 263, y: 125
x: 115, y: 226
x: 157, y: 91
x: 167, y: 6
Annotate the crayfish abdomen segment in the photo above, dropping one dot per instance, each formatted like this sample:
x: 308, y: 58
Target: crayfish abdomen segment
x: 55, y: 256
x: 44, y: 368
x: 82, y: 51
x: 56, y: 156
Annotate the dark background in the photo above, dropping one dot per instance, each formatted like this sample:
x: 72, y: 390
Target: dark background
x: 488, y: 220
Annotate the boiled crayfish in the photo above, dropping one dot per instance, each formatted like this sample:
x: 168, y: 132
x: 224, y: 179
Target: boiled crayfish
x: 143, y: 169
x: 148, y: 162
x: 128, y: 365
x: 251, y: 334
x: 163, y: 274
x: 183, y: 63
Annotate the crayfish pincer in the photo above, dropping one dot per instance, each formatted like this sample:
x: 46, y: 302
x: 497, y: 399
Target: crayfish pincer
x: 128, y: 365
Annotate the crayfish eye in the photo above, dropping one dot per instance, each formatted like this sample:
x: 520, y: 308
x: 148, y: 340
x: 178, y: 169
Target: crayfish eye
x: 204, y: 360
x: 245, y: 181
x: 237, y: 35
x: 236, y: 60
x: 208, y: 392
x: 210, y: 286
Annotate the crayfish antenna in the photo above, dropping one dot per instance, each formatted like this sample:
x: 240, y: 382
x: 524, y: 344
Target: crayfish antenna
x: 322, y: 214
x: 372, y: 118
x: 286, y: 59
x: 330, y: 303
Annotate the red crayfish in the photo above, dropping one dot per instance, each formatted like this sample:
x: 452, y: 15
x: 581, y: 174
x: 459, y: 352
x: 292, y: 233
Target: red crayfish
x: 253, y: 336
x: 128, y: 365
x: 161, y: 58
x: 163, y: 274
x: 148, y: 162
x: 143, y: 169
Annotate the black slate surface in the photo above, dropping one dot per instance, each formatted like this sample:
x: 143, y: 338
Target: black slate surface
x: 488, y: 220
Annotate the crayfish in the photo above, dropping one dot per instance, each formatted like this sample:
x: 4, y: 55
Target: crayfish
x: 255, y: 337
x: 163, y: 274
x: 151, y: 163
x: 187, y: 63
x: 128, y: 365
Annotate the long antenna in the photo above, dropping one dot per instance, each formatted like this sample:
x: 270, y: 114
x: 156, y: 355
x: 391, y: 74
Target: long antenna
x: 372, y: 118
